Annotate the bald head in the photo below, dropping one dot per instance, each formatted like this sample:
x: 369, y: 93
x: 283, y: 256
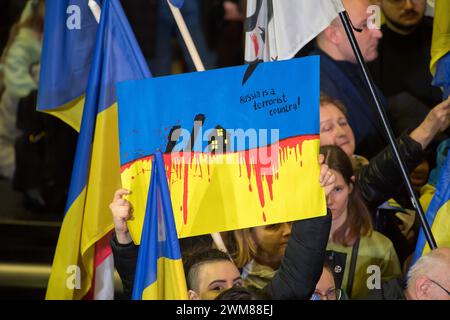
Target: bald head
x: 429, y: 277
x: 334, y: 41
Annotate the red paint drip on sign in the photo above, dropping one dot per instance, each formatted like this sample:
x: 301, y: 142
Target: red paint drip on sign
x: 181, y: 165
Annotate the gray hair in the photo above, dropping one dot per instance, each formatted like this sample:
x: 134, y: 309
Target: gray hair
x: 428, y: 264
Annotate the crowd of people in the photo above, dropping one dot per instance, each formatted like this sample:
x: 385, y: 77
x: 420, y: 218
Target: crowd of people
x: 326, y: 258
x: 268, y: 262
x: 37, y: 149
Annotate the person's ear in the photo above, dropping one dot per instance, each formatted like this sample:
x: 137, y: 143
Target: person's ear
x: 193, y: 295
x: 353, y: 179
x: 422, y: 287
x: 333, y: 34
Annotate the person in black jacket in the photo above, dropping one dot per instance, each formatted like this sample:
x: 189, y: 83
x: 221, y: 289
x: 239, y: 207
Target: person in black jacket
x: 297, y: 276
x: 380, y: 179
x: 300, y: 269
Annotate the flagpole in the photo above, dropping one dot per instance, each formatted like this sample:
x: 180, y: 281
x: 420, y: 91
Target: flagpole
x: 187, y: 37
x: 217, y: 238
x: 387, y: 128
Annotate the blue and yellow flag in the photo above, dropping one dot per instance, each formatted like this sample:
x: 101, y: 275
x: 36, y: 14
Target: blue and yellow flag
x: 68, y: 45
x: 440, y: 49
x: 438, y: 214
x: 240, y: 145
x: 159, y: 271
x: 96, y: 173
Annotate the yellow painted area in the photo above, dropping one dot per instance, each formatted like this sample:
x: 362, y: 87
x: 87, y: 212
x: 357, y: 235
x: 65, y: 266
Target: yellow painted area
x: 171, y: 284
x: 221, y: 199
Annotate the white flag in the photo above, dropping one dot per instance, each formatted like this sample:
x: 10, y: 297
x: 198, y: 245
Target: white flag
x: 277, y: 30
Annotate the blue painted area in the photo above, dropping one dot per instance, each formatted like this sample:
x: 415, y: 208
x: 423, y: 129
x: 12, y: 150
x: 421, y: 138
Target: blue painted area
x: 282, y: 95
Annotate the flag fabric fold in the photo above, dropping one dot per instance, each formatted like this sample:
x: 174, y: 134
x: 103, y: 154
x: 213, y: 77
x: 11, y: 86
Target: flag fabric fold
x: 159, y: 271
x: 438, y: 214
x: 277, y: 30
x: 70, y: 32
x: 83, y: 240
x: 440, y: 48
x: 442, y: 75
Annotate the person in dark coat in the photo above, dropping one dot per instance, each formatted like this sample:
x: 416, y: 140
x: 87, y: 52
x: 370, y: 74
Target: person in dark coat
x: 297, y: 276
x: 404, y: 53
x: 380, y: 179
x: 300, y: 269
x: 342, y: 79
x: 402, y: 69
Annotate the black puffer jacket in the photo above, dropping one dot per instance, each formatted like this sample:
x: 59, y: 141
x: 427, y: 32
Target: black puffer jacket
x: 302, y: 264
x: 300, y: 269
x: 381, y: 179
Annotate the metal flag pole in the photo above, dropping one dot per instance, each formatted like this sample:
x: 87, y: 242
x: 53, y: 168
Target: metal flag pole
x: 217, y: 238
x: 388, y: 130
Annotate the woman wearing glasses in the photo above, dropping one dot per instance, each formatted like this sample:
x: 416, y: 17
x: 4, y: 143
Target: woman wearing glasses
x: 326, y: 287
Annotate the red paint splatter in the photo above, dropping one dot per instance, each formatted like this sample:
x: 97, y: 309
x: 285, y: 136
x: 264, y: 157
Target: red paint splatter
x: 201, y: 172
x: 269, y: 180
x: 240, y: 168
x: 168, y: 161
x: 259, y: 185
x: 187, y: 158
x: 253, y: 166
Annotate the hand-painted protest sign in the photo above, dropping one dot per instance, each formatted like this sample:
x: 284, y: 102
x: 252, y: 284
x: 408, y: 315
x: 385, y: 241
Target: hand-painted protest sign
x: 240, y: 150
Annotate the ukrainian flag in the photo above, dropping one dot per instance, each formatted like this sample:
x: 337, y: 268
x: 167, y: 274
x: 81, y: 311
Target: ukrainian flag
x: 159, y: 272
x: 69, y: 41
x: 438, y: 214
x: 440, y: 49
x: 83, y: 239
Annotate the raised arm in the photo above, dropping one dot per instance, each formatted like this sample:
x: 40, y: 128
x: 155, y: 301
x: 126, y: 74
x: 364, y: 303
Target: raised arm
x: 302, y: 264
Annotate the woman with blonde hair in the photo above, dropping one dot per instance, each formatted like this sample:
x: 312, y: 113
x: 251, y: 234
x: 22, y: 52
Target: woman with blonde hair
x: 258, y: 251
